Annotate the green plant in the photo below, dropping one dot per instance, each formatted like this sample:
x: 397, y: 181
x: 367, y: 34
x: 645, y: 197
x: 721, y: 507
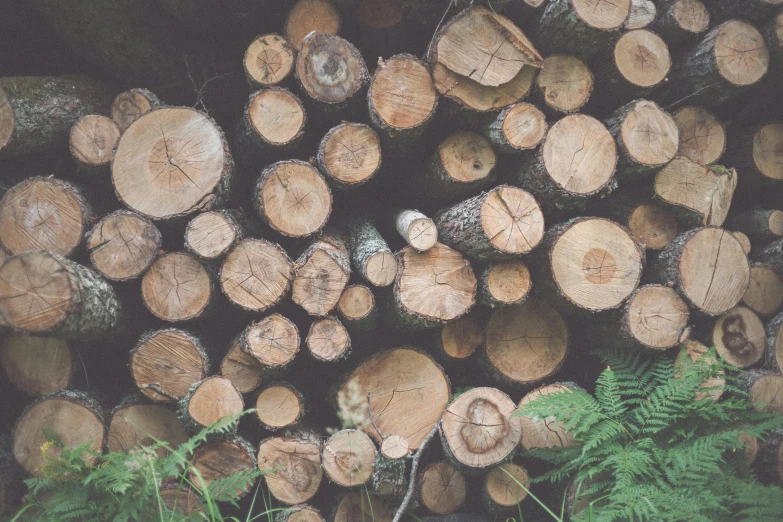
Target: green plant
x: 129, y: 486
x: 652, y: 445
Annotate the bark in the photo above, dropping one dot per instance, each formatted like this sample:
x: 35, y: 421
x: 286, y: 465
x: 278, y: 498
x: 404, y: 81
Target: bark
x: 643, y: 13
x: 208, y: 401
x: 371, y: 256
x: 753, y: 10
x: 131, y: 105
x: 350, y: 155
x: 136, y: 422
x: 321, y: 273
x: 504, y: 283
x: 759, y: 224
x: 279, y: 406
x: 516, y: 128
x: 416, y: 229
x: 37, y: 365
x: 765, y: 289
x: 11, y: 475
x: 769, y: 462
x: 773, y: 36
x: 268, y: 61
x: 271, y: 125
x: 681, y: 21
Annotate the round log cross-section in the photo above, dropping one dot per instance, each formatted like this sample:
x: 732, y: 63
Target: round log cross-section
x: 348, y: 458
x: 565, y: 83
x: 331, y: 70
x: 702, y: 135
x: 544, y: 433
x: 458, y: 339
x: 211, y: 400
x: 130, y: 105
x: 328, y: 340
x: 256, y: 274
x: 307, y: 16
x: 177, y: 287
x: 242, y: 369
x: 739, y: 337
x: 211, y: 235
x: 92, y: 141
x: 279, y: 406
x: 350, y: 154
x: 273, y: 341
x: 222, y: 459
x: 137, y: 424
x: 298, y: 468
x: 442, y: 488
x: 123, y: 245
x: 37, y: 365
x: 269, y: 60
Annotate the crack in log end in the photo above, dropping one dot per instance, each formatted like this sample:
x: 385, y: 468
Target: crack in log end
x: 599, y: 266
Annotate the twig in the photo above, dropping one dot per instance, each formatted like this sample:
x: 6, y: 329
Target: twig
x: 199, y: 90
x: 414, y: 467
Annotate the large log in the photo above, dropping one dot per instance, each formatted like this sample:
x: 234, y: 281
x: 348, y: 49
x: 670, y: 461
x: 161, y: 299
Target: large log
x: 765, y: 289
x: 177, y: 287
x: 297, y: 461
x: 564, y: 84
x: 123, y: 245
x: 702, y: 136
x: 350, y: 155
x: 256, y: 274
x: 37, y: 365
x: 268, y: 61
x: 321, y: 273
x: 739, y: 337
x: 136, y: 423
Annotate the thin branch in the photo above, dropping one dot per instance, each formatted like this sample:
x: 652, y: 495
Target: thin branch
x: 414, y: 468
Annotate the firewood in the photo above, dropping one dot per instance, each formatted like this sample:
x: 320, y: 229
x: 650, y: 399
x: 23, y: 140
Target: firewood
x: 129, y: 106
x: 707, y: 266
x: 357, y: 506
x: 279, y: 406
x: 273, y: 341
x: 764, y: 388
x: 136, y: 423
x: 220, y: 459
x: 516, y: 128
x: 416, y: 229
x: 123, y: 245
x: 504, y: 283
x: 357, y: 308
x: 759, y: 224
x: 390, y: 472
x: 268, y: 61
x: 371, y: 256
x: 643, y: 13
x: 297, y: 460
x: 348, y: 458
x: 242, y: 369
x: 321, y: 273
x: 209, y: 401
x: 501, y: 491
x: 44, y: 214
x: 350, y: 155
x: 181, y: 499
x: 564, y: 84
x: 311, y: 15
x: 702, y: 136
x: 739, y: 337
x: 92, y: 141
x: 211, y: 235
x: 648, y: 223
x: 272, y: 122
x: 765, y: 290
x: 681, y: 21
x: 544, y: 433
x: 177, y: 287
x: 442, y: 488
x: 256, y: 274
x: 328, y: 340
x: 458, y: 339
x: 299, y: 513
x: 757, y: 153
x: 77, y: 302
x: 37, y: 365
x: 774, y: 348
x: 713, y: 387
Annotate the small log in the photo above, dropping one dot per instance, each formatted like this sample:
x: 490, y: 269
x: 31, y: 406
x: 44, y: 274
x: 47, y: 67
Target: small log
x: 357, y: 308
x: 242, y: 369
x: 371, y: 256
x: 208, y: 401
x: 350, y: 155
x: 504, y: 283
x: 770, y: 459
x: 504, y: 488
x: 268, y: 61
x: 707, y: 266
x: 77, y: 302
x: 458, y: 339
x: 43, y: 214
x: 37, y: 112
x: 564, y: 84
x: 744, y: 241
x: 273, y: 341
x: 221, y: 459
x: 131, y: 105
x: 516, y: 128
x: 643, y: 13
x: 165, y: 363
x: 578, y: 27
x: 321, y: 273
x: 463, y: 163
x: 695, y: 194
x: 774, y: 348
x: 389, y: 475
x: 442, y: 488
x: 416, y: 229
x: 293, y: 198
x: 577, y: 160
x: 348, y: 458
x: 328, y: 340
x: 358, y: 506
x: 739, y: 337
x: 647, y: 138
x: 759, y: 224
x: 123, y: 245
x: 544, y: 433
x: 37, y: 365
x: 477, y: 429
x: 411, y: 415
x: 649, y: 224
x: 279, y: 406
x: 712, y: 387
x: 681, y: 21
x: 765, y: 290
x: 135, y: 423
x: 300, y: 513
x: 757, y: 153
x: 499, y: 224
x: 92, y: 141
x: 272, y: 122
x: 211, y: 235
x: 256, y: 274
x: 331, y: 70
x: 764, y: 389
x: 524, y: 344
x: 702, y: 136
x: 177, y: 287
x: 297, y: 460
x: 307, y: 16
x: 76, y: 418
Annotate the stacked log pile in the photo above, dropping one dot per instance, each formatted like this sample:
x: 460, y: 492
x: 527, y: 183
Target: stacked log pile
x: 405, y: 201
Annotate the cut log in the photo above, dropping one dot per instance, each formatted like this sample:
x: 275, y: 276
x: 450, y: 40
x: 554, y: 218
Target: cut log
x: 268, y: 61
x: 695, y: 194
x: 211, y: 235
x: 770, y: 460
x: 358, y: 506
x: 131, y: 105
x: 256, y: 274
x: 681, y: 21
x: 222, y: 459
x: 647, y: 138
x: 123, y: 245
x: 297, y: 461
x: 753, y: 10
x: 92, y: 141
x: 643, y: 13
x: 357, y: 308
x: 172, y: 162
x: 729, y: 58
x: 765, y: 290
x: 744, y: 241
x: 321, y: 273
x: 166, y: 363
x: 348, y: 458
x: 177, y: 287
x: 588, y: 264
x: 37, y: 112
x: 279, y: 406
x: 209, y: 401
x: 135, y: 423
x: 43, y: 214
x: 649, y: 224
x: 293, y: 198
x: 350, y: 155
x: 544, y: 433
x: 758, y: 153
x: 331, y: 70
x: 577, y: 160
x: 418, y: 385
x: 564, y: 84
x: 764, y: 388
x: 300, y: 513
x: 401, y: 101
x: 524, y: 344
x: 328, y: 340
x: 76, y: 303
x: 712, y: 387
x: 273, y: 341
x: 759, y: 224
x: 442, y: 488
x: 75, y: 418
x: 774, y: 348
x: 416, y: 229
x: 371, y: 256
x: 477, y: 429
x: 458, y: 339
x: 516, y: 128
x: 654, y: 317
x: 499, y: 224
x: 307, y: 16
x: 432, y: 287
x: 504, y: 488
x: 37, y: 365
x: 390, y: 473
x: 504, y: 283
x: 772, y: 255
x: 180, y: 500
x: 739, y: 337
x: 242, y: 369
x: 702, y: 136
x: 580, y: 27
x: 273, y: 122
x: 707, y: 266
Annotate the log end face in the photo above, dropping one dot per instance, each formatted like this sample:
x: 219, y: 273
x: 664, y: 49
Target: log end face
x: 269, y: 60
x: 775, y: 223
x: 277, y: 116
x: 565, y: 82
x: 766, y: 393
x: 123, y: 245
x: 650, y: 134
x: 330, y: 68
x: 128, y: 107
x: 170, y: 361
x: 652, y: 226
x: 279, y: 406
x: 765, y: 291
x: 741, y: 54
x: 642, y: 58
x: 273, y: 341
x: 657, y: 317
x: 381, y: 269
x: 177, y: 287
x: 768, y: 151
x: 544, y: 433
x: 327, y: 339
x: 356, y: 303
x: 512, y: 220
x: 294, y: 198
x: 141, y: 425
x: 395, y: 447
x: 319, y: 283
x: 241, y: 369
x: 739, y: 337
x: 311, y: 15
x: 221, y: 459
x: 93, y: 138
x: 691, y: 16
x: 509, y: 282
x: 422, y: 234
x: 702, y: 136
x: 466, y: 157
x: 351, y: 153
x: 461, y: 337
x: 505, y: 484
x: 603, y: 15
x: 256, y: 274
x: 213, y: 399
x: 402, y: 93
x: 211, y: 234
x: 443, y: 488
x: 524, y: 126
x: 349, y: 458
x: 298, y: 464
